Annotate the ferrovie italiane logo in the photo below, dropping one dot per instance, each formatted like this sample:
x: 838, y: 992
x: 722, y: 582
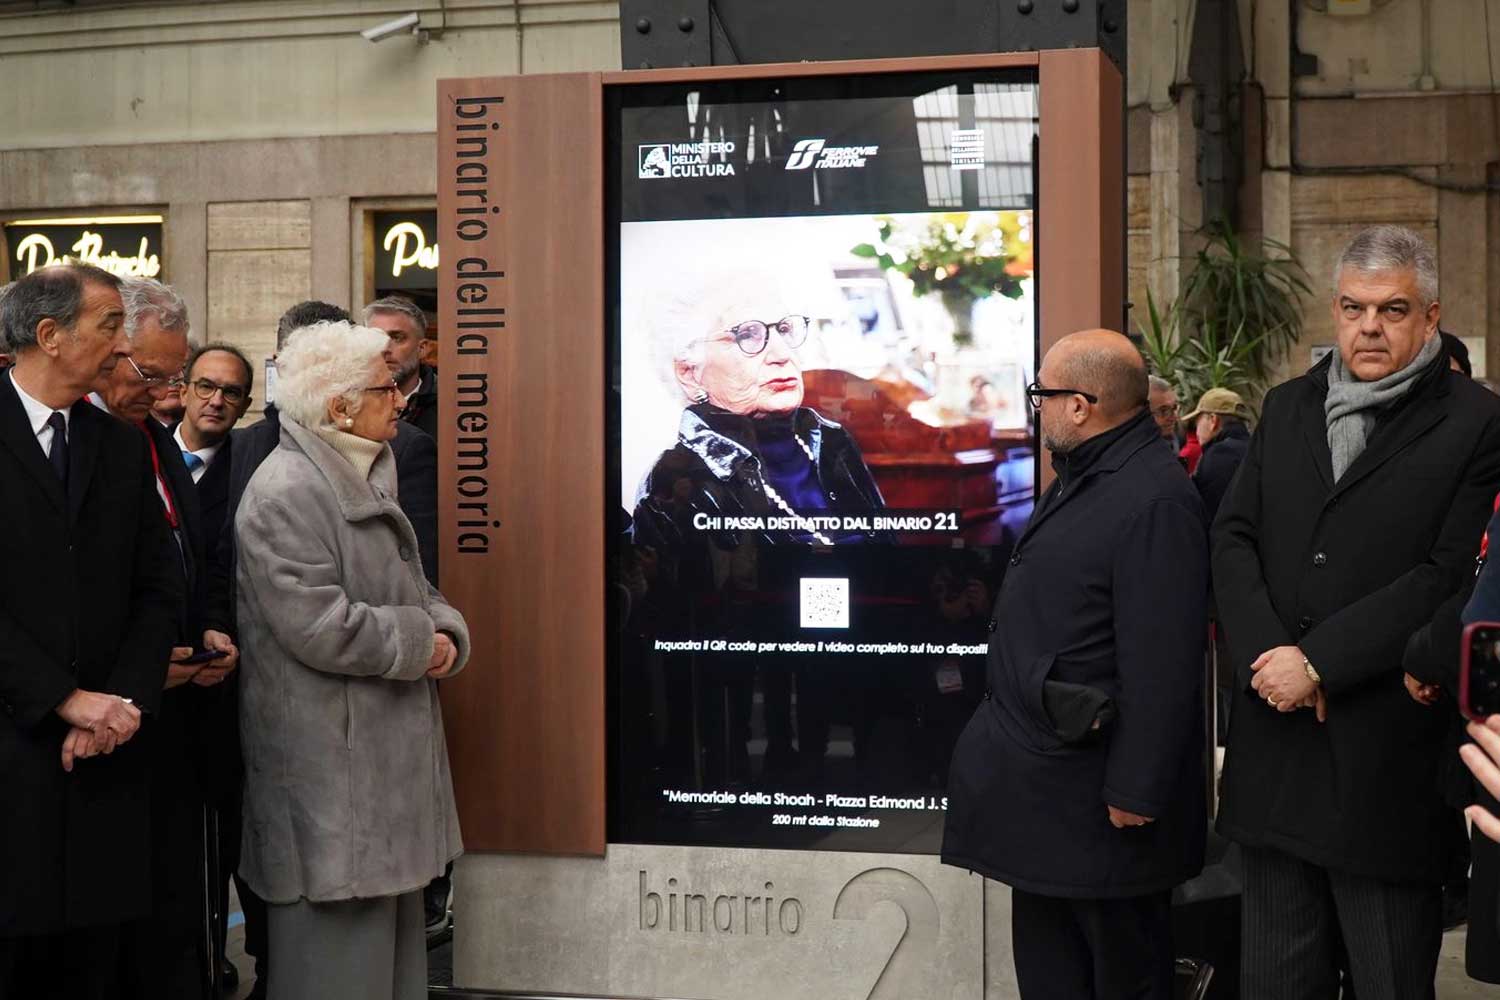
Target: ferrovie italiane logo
x: 817, y: 154
x: 684, y: 159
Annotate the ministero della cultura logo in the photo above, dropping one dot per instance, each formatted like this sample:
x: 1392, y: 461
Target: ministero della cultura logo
x: 818, y: 155
x: 684, y: 159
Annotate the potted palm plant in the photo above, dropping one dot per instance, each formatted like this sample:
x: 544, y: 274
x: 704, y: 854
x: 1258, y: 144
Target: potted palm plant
x: 1238, y: 314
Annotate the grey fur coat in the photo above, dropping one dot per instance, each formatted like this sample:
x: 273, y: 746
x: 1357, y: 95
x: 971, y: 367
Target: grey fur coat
x: 347, y: 789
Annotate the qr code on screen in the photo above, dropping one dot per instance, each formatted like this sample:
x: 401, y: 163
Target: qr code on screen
x: 825, y: 602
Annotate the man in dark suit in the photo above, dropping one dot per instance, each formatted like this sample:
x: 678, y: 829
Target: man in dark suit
x: 1079, y: 780
x: 89, y: 609
x: 416, y: 471
x: 1354, y: 517
x: 171, y: 957
x: 220, y: 380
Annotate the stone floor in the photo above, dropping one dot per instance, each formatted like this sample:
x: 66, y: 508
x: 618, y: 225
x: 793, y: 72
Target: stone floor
x: 1452, y: 984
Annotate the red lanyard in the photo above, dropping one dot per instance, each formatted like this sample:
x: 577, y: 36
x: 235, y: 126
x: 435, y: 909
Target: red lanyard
x: 166, y: 491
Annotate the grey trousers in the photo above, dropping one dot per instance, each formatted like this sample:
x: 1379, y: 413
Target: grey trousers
x: 362, y: 949
x: 1295, y: 914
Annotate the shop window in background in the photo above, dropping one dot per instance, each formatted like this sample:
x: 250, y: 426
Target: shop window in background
x: 404, y: 261
x: 129, y: 246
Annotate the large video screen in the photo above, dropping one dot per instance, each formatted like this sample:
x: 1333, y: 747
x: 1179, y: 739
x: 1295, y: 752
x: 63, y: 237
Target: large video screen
x: 823, y: 317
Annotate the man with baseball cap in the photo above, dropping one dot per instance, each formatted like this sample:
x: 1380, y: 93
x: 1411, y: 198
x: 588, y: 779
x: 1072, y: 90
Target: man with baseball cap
x: 1220, y: 420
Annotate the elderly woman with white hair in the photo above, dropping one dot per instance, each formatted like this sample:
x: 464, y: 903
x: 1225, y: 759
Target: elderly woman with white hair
x: 348, y: 808
x: 746, y: 446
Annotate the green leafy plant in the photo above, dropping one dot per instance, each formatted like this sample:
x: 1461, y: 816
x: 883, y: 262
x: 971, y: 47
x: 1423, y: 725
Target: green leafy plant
x: 1238, y: 314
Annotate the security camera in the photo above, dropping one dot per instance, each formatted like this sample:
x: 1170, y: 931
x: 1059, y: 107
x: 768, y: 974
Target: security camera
x: 381, y: 32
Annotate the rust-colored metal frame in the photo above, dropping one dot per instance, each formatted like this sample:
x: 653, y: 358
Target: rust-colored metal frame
x: 521, y: 225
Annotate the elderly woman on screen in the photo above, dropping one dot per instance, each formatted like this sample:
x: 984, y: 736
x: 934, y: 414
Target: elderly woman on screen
x: 746, y: 446
x: 348, y: 801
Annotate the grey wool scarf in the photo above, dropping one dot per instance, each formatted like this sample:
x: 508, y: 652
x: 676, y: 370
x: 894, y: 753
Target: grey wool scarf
x: 1351, y: 404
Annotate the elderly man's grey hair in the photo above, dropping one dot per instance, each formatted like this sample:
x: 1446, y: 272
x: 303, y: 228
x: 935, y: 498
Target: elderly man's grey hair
x: 1392, y: 248
x: 400, y: 307
x: 1159, y: 384
x: 147, y: 298
x: 322, y: 361
x: 54, y: 293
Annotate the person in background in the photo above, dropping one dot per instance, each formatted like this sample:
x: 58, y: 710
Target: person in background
x: 220, y: 380
x: 346, y: 638
x: 1352, y: 519
x: 406, y: 325
x: 1458, y: 354
x: 167, y: 411
x: 1220, y: 421
x: 1432, y: 661
x: 1079, y: 779
x: 89, y: 609
x: 1164, y: 409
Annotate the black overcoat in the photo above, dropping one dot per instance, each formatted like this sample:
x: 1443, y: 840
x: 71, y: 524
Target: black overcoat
x: 1348, y: 573
x: 87, y: 600
x: 1221, y: 460
x: 1108, y: 588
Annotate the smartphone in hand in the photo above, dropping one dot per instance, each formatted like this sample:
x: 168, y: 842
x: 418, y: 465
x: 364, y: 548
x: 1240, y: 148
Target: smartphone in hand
x: 1479, y: 671
x: 202, y: 656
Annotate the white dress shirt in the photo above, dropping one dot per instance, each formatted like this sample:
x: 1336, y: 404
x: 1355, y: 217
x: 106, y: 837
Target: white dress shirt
x: 39, y: 413
x: 206, y: 454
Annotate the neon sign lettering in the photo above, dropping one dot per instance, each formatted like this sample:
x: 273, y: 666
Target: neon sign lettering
x: 411, y: 249
x: 36, y: 251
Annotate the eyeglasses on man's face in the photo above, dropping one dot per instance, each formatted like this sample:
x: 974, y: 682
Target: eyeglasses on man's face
x: 753, y: 335
x: 1165, y: 411
x: 1036, y: 393
x: 154, y: 381
x: 204, y: 388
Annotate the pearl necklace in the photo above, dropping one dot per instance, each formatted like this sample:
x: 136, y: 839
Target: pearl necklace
x: 776, y: 499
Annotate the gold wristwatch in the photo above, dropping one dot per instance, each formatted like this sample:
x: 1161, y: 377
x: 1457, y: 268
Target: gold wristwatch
x: 1312, y: 674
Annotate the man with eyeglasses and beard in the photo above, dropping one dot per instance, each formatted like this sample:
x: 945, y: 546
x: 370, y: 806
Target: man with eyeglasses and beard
x: 1079, y: 780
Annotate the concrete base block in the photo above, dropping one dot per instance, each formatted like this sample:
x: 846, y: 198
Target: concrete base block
x: 728, y: 924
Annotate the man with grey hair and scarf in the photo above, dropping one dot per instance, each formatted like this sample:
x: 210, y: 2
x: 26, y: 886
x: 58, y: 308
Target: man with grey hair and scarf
x: 1354, y: 516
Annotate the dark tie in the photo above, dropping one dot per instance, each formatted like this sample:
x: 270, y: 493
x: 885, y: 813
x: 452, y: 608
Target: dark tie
x: 58, y: 456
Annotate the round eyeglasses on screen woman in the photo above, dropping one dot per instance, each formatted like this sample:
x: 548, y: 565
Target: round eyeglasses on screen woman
x: 753, y: 335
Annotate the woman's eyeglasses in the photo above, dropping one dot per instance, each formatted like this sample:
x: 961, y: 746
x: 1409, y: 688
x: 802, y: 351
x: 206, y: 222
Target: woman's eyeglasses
x: 1035, y: 394
x: 753, y: 335
x: 393, y: 389
x: 204, y: 388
